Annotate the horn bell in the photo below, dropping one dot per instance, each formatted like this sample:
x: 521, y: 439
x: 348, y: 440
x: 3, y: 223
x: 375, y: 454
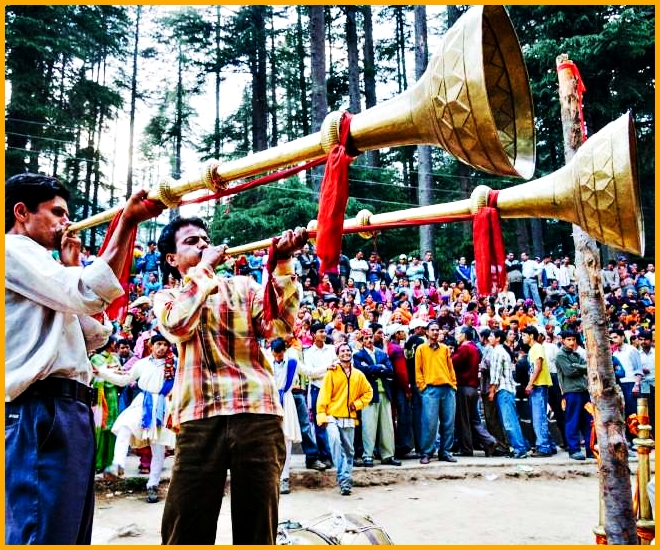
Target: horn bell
x: 598, y: 190
x: 473, y: 100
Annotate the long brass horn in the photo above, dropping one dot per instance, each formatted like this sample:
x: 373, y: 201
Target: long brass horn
x: 597, y: 190
x: 473, y: 100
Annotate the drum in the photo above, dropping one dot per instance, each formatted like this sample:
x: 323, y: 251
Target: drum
x: 333, y: 528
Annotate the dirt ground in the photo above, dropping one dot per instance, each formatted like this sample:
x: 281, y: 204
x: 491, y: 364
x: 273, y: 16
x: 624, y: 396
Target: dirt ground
x: 487, y: 510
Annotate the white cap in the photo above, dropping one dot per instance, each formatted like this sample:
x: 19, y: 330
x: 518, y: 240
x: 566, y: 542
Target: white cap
x: 392, y: 329
x: 417, y: 323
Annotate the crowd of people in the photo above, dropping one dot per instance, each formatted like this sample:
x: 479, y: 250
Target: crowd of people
x: 487, y: 373
x: 232, y: 365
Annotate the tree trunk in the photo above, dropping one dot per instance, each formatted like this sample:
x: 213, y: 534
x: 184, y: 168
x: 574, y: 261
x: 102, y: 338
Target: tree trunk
x: 538, y: 245
x: 274, y: 135
x: 522, y: 235
x: 319, y: 93
x: 259, y: 81
x: 425, y: 179
x: 606, y: 395
x: 353, y: 60
x: 178, y: 124
x: 369, y: 76
x: 131, y: 131
x: 218, y: 80
x: 302, y: 80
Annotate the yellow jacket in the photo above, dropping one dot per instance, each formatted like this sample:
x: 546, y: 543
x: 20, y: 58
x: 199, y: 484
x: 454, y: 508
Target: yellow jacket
x: 434, y: 367
x: 338, y: 391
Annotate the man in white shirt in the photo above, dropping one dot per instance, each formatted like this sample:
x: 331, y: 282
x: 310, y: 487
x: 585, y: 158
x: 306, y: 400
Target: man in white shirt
x: 647, y: 359
x: 359, y: 268
x: 49, y: 431
x: 318, y: 358
x: 430, y: 269
x: 550, y: 269
x: 650, y: 274
x: 531, y: 270
x: 632, y: 381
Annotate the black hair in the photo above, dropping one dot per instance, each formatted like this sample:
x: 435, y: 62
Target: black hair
x: 500, y: 335
x: 111, y: 340
x: 316, y: 327
x: 31, y: 190
x: 158, y: 337
x: 278, y: 345
x: 124, y: 342
x: 167, y: 243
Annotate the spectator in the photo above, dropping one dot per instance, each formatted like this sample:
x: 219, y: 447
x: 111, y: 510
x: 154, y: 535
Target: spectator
x: 462, y: 272
x: 537, y: 390
x: 345, y: 391
x: 359, y: 269
x: 430, y: 268
x: 144, y: 422
x: 377, y: 415
x: 436, y: 381
x: 319, y: 358
x: 469, y: 427
x: 502, y: 389
x: 631, y: 383
x: 572, y: 375
x: 531, y: 270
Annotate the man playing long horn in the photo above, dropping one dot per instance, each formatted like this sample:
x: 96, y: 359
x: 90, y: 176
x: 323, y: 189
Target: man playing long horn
x: 226, y: 406
x: 49, y: 437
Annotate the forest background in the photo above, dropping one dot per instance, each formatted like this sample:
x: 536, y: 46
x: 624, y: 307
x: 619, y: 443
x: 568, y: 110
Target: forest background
x: 73, y: 73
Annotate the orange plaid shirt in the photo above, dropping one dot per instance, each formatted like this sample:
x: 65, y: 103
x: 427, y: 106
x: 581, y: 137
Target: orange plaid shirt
x: 216, y: 324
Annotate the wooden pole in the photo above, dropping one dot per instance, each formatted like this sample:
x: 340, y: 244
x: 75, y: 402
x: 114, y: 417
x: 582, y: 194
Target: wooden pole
x: 614, y: 471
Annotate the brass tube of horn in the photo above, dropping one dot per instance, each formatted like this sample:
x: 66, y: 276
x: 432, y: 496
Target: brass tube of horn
x: 473, y: 100
x: 597, y: 190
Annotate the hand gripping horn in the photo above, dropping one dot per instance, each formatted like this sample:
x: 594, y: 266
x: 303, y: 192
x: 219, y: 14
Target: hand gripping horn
x: 473, y: 101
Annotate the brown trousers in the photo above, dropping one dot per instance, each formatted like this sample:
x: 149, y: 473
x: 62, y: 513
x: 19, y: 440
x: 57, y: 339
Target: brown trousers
x: 251, y: 448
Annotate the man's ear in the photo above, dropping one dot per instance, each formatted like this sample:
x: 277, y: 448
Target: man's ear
x: 170, y: 258
x: 21, y: 212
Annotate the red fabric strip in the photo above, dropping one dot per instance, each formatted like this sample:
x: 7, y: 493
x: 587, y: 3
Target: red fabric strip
x: 270, y: 295
x: 581, y: 88
x: 489, y: 248
x: 333, y: 200
x: 117, y: 309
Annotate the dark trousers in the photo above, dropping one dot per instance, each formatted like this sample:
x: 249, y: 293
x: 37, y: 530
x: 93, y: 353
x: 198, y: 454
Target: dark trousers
x: 403, y: 433
x: 517, y: 289
x: 416, y: 403
x: 554, y: 400
x: 321, y: 435
x: 578, y: 422
x: 494, y: 424
x: 630, y: 406
x: 49, y: 471
x: 308, y: 444
x: 468, y: 422
x: 251, y: 447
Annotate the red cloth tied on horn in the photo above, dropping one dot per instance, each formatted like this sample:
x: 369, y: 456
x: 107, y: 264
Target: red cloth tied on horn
x: 333, y: 200
x: 117, y: 309
x: 271, y: 311
x: 489, y: 248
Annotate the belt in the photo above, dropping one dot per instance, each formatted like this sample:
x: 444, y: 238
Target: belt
x: 61, y: 387
x: 530, y: 278
x: 297, y: 391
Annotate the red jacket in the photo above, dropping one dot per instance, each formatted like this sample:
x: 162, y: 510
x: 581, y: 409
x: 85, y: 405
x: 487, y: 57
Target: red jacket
x: 466, y: 361
x: 398, y: 360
